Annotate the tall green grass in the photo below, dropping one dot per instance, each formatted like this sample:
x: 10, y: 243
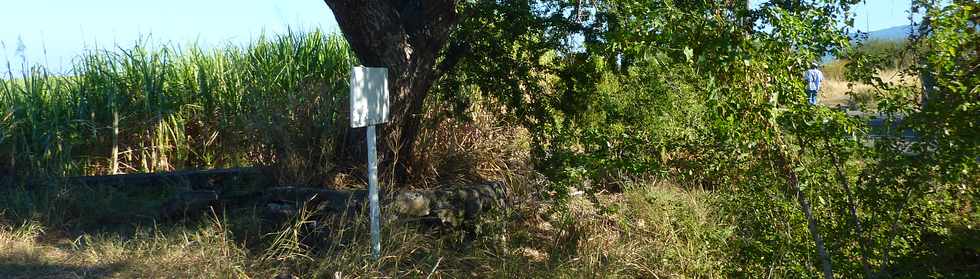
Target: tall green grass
x: 276, y: 101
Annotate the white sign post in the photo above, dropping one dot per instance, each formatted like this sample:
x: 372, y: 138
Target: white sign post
x: 369, y: 107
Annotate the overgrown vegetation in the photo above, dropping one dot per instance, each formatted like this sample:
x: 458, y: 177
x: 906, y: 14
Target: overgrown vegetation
x: 671, y: 139
x: 145, y: 109
x: 653, y: 229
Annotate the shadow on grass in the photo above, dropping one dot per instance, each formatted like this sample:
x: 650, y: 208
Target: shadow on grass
x: 955, y: 255
x: 34, y: 267
x: 119, y: 210
x: 56, y: 214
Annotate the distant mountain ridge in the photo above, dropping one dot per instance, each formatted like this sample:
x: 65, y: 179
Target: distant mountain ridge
x: 894, y: 33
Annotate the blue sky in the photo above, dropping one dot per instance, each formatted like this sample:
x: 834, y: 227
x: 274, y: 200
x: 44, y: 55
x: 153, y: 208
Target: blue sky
x: 65, y: 28
x: 880, y: 14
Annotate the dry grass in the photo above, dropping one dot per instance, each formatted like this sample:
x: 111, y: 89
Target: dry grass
x: 454, y: 152
x: 836, y: 91
x: 651, y: 230
x: 27, y: 251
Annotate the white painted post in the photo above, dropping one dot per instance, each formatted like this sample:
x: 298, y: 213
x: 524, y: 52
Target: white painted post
x: 373, y: 194
x: 369, y: 107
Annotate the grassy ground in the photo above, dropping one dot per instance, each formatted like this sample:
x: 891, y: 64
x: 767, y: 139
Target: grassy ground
x: 650, y: 230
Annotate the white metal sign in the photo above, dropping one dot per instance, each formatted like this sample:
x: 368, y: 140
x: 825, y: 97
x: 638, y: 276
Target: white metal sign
x: 369, y: 107
x: 368, y: 96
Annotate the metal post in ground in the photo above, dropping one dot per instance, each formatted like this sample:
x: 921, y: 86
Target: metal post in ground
x: 373, y: 193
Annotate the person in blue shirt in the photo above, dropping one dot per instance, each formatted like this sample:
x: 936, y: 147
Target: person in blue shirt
x: 813, y: 77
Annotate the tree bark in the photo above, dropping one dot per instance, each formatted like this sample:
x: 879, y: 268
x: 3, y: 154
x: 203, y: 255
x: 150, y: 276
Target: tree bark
x: 406, y: 37
x: 784, y: 162
x: 858, y: 229
x: 812, y: 226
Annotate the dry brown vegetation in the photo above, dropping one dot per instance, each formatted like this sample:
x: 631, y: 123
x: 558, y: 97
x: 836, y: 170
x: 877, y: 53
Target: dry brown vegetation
x: 30, y: 250
x: 837, y: 91
x: 656, y: 231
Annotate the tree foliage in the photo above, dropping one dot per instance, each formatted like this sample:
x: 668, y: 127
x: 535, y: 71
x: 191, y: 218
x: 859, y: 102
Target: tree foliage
x: 710, y: 94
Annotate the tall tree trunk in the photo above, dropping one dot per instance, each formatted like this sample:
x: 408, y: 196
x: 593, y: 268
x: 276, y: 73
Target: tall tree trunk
x: 406, y: 37
x: 851, y: 205
x: 786, y: 164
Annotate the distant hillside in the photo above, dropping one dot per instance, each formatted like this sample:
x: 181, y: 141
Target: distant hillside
x: 889, y: 34
x: 895, y: 33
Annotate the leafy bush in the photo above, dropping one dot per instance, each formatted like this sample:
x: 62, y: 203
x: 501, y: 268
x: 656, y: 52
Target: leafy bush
x: 711, y: 95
